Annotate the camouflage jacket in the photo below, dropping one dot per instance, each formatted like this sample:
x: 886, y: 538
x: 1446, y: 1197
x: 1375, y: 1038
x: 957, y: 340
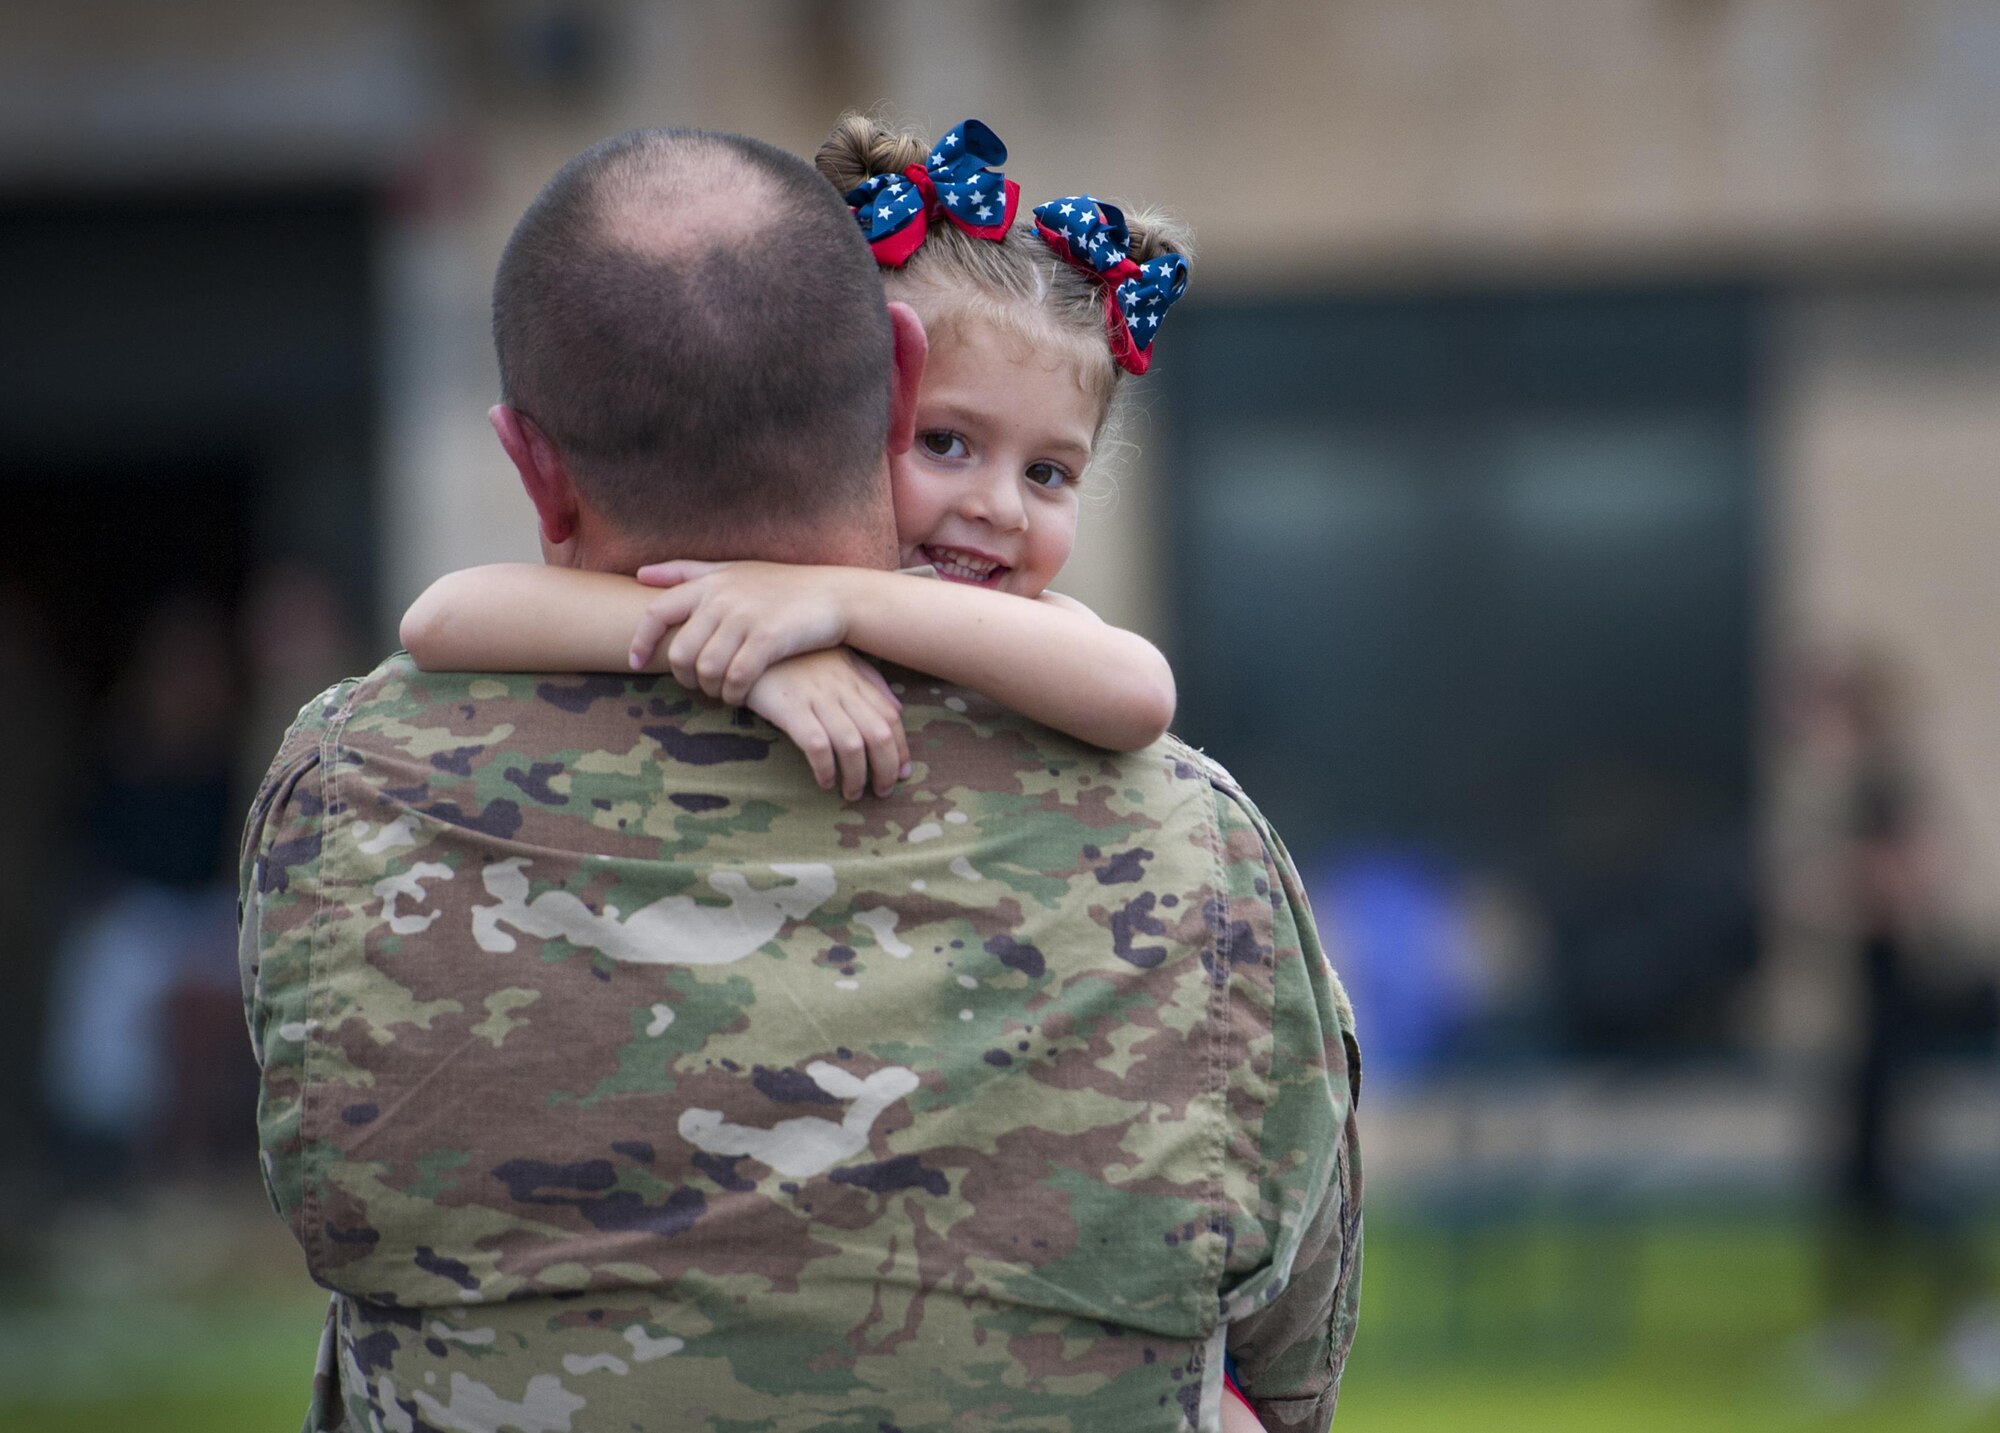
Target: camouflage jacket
x: 617, y: 1077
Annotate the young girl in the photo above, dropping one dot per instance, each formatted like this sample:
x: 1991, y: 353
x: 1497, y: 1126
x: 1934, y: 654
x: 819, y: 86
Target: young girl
x: 1031, y: 330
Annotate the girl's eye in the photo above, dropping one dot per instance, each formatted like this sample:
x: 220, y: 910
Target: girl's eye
x: 941, y: 443
x: 1047, y: 475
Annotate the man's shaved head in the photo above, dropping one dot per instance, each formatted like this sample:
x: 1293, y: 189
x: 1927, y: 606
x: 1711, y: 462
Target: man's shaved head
x: 694, y: 321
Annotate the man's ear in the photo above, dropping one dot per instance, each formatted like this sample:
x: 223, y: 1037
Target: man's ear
x: 906, y: 375
x: 547, y: 481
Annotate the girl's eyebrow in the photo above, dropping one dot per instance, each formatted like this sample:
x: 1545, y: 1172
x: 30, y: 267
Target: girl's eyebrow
x: 1073, y: 450
x: 958, y: 413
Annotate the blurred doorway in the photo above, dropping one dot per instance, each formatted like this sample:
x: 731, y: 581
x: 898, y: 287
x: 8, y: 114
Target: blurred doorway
x: 192, y: 377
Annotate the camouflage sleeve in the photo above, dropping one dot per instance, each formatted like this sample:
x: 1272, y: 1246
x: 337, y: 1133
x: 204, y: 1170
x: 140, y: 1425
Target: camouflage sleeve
x: 275, y: 868
x: 1289, y: 1337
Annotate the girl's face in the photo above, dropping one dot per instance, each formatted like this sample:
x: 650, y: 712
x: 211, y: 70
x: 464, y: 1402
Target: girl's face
x: 987, y: 493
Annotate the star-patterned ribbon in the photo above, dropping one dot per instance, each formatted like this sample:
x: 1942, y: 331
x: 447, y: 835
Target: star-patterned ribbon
x: 1092, y: 236
x: 960, y: 181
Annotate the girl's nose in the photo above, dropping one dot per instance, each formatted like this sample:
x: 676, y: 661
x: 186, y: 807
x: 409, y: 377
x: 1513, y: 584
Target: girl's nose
x: 995, y: 499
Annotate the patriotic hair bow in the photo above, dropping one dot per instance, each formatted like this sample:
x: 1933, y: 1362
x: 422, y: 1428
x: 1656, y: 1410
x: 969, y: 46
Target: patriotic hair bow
x: 1092, y: 236
x: 957, y: 182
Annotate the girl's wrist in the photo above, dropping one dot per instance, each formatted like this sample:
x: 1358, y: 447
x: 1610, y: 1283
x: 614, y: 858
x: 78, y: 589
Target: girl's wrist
x: 847, y: 593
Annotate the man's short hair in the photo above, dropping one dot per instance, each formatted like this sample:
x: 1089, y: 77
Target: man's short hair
x: 696, y: 323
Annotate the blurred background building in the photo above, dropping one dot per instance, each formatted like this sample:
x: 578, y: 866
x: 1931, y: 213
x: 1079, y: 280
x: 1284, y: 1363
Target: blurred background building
x: 1570, y: 496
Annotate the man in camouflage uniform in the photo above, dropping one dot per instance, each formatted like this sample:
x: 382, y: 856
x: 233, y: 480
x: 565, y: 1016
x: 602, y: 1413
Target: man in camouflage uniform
x: 618, y: 1077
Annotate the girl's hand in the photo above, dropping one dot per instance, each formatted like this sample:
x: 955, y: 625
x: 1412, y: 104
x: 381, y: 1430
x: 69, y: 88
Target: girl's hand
x: 736, y: 619
x: 840, y: 712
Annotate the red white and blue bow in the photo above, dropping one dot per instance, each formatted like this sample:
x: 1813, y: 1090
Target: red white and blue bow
x: 958, y: 182
x: 1092, y: 236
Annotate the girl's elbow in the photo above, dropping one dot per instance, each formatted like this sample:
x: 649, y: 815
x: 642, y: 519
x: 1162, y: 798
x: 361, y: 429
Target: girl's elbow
x: 422, y: 629
x: 1157, y: 707
x: 1147, y: 715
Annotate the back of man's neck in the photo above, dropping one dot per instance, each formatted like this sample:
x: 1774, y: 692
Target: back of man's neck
x: 871, y: 545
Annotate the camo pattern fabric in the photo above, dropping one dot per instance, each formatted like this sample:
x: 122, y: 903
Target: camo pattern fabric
x: 617, y: 1077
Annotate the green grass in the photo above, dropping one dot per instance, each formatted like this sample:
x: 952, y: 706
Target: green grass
x: 225, y: 1363
x: 1681, y: 1326
x: 1691, y: 1325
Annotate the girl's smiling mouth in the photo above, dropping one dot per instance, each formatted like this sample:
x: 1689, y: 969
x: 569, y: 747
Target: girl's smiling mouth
x: 958, y: 564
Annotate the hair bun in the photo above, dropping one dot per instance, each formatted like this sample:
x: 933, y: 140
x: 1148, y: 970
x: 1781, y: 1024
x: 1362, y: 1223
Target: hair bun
x: 1155, y: 232
x: 862, y: 146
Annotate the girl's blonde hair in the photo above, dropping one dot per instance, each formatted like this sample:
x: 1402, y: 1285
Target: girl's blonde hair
x: 1017, y: 283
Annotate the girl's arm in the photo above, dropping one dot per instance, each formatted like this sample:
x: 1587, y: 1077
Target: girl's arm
x: 524, y: 617
x: 1050, y: 659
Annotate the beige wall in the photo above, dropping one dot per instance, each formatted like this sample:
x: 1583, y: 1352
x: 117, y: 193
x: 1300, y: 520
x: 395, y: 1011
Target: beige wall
x: 1317, y: 133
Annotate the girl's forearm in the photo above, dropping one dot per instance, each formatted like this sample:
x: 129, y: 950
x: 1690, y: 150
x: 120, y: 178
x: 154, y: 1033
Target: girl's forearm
x: 1063, y: 668
x: 524, y: 617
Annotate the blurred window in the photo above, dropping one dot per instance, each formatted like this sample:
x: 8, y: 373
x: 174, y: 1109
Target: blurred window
x: 1474, y: 575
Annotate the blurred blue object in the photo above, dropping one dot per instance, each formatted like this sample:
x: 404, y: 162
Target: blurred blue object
x: 1393, y: 924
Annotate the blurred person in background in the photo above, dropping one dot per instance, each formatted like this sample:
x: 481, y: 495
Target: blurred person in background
x: 1863, y: 868
x: 1650, y: 914
x: 291, y: 637
x: 130, y: 1060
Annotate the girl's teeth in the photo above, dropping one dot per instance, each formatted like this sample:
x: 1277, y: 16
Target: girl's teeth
x: 953, y: 565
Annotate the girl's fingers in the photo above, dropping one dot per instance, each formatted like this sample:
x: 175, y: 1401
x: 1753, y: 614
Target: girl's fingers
x: 903, y: 764
x: 717, y: 653
x: 886, y: 754
x: 850, y: 752
x: 808, y: 733
x: 681, y: 569
x: 751, y: 661
x: 891, y: 709
x: 661, y: 614
x: 686, y: 647
x: 797, y: 720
